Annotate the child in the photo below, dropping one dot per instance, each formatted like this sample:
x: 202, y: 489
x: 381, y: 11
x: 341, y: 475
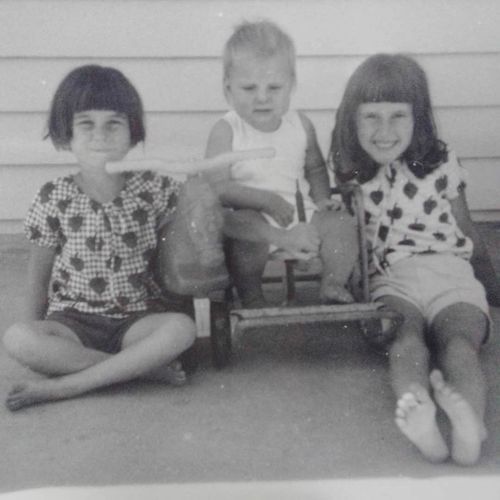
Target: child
x: 259, y: 78
x: 94, y: 312
x: 423, y: 244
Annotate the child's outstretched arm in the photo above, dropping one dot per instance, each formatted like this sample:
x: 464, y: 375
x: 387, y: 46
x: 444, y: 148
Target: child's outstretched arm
x: 315, y: 168
x: 481, y: 261
x: 234, y: 194
x: 39, y: 273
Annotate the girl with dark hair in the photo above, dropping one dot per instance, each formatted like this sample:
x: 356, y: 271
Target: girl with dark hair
x: 95, y: 315
x: 427, y: 260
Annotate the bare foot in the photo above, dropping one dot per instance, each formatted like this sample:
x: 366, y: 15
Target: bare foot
x: 416, y: 418
x: 468, y: 432
x: 331, y: 292
x: 172, y: 374
x: 32, y: 393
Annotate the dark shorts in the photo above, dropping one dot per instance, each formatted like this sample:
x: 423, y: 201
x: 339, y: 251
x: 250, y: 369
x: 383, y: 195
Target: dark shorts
x: 95, y: 331
x: 105, y: 333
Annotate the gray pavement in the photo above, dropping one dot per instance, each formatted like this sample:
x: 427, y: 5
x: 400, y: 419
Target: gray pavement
x: 295, y: 404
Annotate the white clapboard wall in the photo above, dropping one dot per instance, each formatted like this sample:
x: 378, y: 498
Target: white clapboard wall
x: 170, y: 49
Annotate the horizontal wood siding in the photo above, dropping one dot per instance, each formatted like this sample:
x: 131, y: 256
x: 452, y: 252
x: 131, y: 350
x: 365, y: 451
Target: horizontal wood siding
x: 171, y: 51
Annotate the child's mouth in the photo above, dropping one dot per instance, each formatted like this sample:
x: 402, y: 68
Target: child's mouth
x: 385, y: 146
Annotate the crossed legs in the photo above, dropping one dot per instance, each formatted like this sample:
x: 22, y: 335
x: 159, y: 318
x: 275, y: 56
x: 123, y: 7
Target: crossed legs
x: 50, y: 348
x: 458, y: 386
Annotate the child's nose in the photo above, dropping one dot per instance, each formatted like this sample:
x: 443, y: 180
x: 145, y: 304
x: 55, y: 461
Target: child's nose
x: 100, y: 134
x: 384, y: 129
x: 262, y: 95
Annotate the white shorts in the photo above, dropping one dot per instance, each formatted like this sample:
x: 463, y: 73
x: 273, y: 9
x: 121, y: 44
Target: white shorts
x: 431, y: 282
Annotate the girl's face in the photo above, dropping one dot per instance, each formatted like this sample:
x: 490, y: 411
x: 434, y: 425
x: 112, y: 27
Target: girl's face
x: 99, y: 136
x: 259, y: 89
x: 385, y: 129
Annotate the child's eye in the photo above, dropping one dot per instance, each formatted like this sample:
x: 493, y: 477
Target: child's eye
x: 275, y: 87
x: 86, y: 124
x: 248, y: 88
x: 116, y: 123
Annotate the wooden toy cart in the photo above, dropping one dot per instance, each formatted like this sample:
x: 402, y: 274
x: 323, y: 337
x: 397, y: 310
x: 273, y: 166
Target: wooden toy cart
x: 218, y: 317
x: 216, y: 313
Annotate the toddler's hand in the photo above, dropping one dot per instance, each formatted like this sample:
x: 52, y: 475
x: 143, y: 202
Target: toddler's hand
x: 302, y: 241
x: 328, y: 204
x: 280, y: 210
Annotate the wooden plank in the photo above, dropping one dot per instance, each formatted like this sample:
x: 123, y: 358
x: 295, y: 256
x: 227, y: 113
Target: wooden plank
x: 199, y: 27
x: 472, y: 132
x: 195, y: 84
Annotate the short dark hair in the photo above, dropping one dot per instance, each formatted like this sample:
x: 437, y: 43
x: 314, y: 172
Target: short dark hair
x: 385, y: 78
x: 94, y: 87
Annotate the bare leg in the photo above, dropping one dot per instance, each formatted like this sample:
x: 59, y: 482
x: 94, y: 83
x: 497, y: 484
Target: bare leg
x: 49, y: 348
x: 339, y: 253
x: 247, y: 253
x: 458, y: 333
x: 247, y: 261
x: 409, y: 370
x: 169, y: 335
x: 170, y: 373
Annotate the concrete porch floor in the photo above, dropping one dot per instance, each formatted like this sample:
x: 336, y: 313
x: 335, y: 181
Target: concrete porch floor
x: 296, y: 404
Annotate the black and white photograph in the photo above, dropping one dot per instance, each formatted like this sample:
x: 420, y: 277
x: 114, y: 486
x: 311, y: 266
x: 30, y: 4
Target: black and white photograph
x: 250, y: 249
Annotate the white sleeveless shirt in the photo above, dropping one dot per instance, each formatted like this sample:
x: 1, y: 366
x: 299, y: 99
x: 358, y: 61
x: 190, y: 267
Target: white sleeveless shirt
x: 281, y: 173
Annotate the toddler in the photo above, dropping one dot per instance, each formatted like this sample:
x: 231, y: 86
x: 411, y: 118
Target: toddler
x: 259, y: 79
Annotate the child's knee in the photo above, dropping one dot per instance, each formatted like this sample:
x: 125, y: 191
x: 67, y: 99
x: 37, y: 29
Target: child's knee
x: 18, y: 339
x: 184, y: 328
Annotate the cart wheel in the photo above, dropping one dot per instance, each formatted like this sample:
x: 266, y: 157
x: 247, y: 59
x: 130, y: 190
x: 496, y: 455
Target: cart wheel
x: 220, y: 333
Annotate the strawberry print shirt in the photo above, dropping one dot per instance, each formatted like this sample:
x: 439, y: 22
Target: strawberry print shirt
x: 407, y: 215
x: 104, y: 251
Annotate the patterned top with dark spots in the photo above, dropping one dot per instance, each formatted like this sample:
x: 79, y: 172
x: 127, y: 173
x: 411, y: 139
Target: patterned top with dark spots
x: 406, y: 215
x: 104, y: 252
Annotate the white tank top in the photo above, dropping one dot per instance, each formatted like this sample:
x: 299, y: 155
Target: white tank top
x: 281, y: 173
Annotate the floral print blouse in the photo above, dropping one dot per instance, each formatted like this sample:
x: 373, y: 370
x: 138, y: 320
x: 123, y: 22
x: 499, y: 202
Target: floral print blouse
x: 104, y: 251
x: 406, y: 215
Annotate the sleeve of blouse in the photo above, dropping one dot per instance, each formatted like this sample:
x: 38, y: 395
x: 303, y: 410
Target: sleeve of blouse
x: 456, y: 176
x: 41, y: 225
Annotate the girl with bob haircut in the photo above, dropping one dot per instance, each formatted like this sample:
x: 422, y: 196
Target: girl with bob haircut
x: 427, y: 259
x: 94, y: 87
x: 95, y: 315
x: 386, y: 78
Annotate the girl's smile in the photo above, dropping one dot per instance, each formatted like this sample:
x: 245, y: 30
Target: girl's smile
x: 385, y: 129
x: 99, y: 136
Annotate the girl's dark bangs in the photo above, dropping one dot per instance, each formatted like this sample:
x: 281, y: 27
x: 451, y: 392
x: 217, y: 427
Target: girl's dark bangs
x: 101, y: 98
x: 386, y: 87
